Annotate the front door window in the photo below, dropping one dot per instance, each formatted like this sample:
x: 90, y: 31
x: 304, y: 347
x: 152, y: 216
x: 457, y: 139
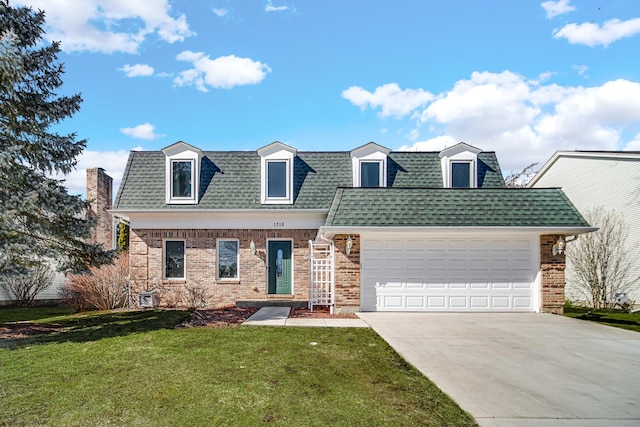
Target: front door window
x: 279, y: 258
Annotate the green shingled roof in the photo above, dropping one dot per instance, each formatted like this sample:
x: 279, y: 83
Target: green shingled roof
x: 431, y: 207
x: 231, y: 179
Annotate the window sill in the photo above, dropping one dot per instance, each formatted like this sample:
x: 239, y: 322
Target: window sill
x: 227, y: 281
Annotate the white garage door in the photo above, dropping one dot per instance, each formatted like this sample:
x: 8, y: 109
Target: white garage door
x: 449, y: 274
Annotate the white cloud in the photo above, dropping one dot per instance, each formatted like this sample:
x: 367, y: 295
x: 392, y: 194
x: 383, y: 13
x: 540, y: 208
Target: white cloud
x: 582, y: 69
x: 393, y: 100
x: 271, y: 8
x: 223, y: 72
x: 525, y: 121
x: 633, y: 145
x: 109, y: 26
x: 113, y: 162
x: 143, y: 131
x: 220, y: 12
x: 592, y: 34
x: 556, y: 8
x: 434, y: 144
x: 137, y: 70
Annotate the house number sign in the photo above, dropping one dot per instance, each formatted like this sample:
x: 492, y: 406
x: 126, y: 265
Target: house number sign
x: 278, y: 224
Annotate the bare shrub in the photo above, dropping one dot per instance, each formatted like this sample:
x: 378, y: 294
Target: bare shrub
x: 104, y: 287
x: 600, y: 262
x: 172, y: 298
x: 23, y: 289
x: 196, y: 296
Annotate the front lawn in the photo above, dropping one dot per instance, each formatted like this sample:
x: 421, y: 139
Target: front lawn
x: 617, y: 318
x: 136, y: 369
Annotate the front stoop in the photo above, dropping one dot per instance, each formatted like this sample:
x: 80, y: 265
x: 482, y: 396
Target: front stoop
x: 259, y: 303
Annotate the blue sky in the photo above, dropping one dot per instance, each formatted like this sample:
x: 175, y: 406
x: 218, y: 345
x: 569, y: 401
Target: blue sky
x: 522, y: 78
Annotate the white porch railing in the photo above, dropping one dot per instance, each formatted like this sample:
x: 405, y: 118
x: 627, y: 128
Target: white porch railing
x: 321, y: 275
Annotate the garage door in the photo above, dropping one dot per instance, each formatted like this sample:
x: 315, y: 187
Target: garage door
x: 449, y: 274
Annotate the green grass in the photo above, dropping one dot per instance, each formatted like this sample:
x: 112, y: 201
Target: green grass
x: 136, y: 369
x: 21, y: 314
x: 617, y: 318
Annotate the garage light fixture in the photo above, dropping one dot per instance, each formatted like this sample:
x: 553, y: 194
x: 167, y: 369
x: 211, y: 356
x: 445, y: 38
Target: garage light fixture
x: 252, y: 246
x: 349, y: 245
x: 558, y: 248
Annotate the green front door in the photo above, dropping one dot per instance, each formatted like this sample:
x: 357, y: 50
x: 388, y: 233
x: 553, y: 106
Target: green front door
x: 280, y: 267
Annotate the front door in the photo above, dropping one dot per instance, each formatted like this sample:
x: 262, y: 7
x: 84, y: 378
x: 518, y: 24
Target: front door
x: 280, y: 267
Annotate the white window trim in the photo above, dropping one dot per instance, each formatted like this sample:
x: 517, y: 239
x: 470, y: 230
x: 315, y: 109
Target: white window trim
x: 176, y: 199
x: 227, y: 279
x: 276, y: 152
x: 472, y: 172
x: 459, y: 153
x: 164, y: 260
x: 370, y: 152
x: 288, y: 182
x: 382, y: 176
x: 182, y: 152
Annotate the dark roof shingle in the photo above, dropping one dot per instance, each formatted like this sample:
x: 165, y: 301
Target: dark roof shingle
x: 231, y: 179
x: 429, y: 207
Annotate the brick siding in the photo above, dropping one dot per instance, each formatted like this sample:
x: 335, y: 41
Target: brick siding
x: 146, y: 264
x: 347, y: 274
x: 552, y: 280
x: 100, y: 196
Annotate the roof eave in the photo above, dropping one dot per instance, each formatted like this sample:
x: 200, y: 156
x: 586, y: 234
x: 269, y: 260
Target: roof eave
x: 330, y: 231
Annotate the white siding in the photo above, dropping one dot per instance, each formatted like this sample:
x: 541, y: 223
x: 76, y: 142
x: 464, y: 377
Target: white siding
x: 593, y: 181
x: 52, y: 293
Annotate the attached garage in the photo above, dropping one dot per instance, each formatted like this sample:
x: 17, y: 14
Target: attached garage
x: 451, y: 249
x: 449, y: 273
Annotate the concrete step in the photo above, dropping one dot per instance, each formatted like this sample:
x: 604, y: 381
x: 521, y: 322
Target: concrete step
x: 272, y: 303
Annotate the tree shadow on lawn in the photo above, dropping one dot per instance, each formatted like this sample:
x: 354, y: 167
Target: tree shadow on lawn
x: 603, y: 318
x: 96, y: 326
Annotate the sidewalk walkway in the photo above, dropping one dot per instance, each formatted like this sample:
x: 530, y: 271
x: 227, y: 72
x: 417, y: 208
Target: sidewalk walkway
x: 279, y: 316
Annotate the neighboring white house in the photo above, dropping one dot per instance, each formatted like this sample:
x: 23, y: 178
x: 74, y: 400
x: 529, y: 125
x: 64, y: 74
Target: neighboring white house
x: 99, y: 194
x: 599, y: 178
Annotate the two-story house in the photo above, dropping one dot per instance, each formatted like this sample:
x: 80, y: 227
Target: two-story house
x: 367, y: 229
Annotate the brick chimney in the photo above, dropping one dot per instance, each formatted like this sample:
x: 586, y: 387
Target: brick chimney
x: 100, y: 196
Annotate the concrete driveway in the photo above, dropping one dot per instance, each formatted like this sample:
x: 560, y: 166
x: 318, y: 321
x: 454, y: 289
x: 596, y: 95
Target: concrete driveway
x: 523, y: 369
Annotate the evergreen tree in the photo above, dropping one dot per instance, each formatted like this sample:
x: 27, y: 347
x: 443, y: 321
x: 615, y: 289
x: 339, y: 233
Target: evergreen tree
x: 38, y: 218
x: 123, y: 236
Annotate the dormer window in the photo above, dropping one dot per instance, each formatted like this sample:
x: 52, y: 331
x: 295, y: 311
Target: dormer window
x: 459, y: 166
x: 369, y: 164
x: 370, y: 174
x: 182, y: 173
x: 460, y: 174
x: 182, y: 179
x: 276, y: 166
x: 277, y: 179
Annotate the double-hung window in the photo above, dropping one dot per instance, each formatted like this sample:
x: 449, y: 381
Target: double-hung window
x: 370, y: 174
x: 460, y: 174
x: 369, y: 165
x: 174, y: 259
x: 228, y: 258
x: 277, y: 179
x: 277, y: 172
x: 182, y: 174
x: 182, y: 179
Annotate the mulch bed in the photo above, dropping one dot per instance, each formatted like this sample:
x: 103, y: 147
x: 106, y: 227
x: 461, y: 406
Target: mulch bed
x: 225, y: 316
x: 219, y: 317
x: 26, y: 329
